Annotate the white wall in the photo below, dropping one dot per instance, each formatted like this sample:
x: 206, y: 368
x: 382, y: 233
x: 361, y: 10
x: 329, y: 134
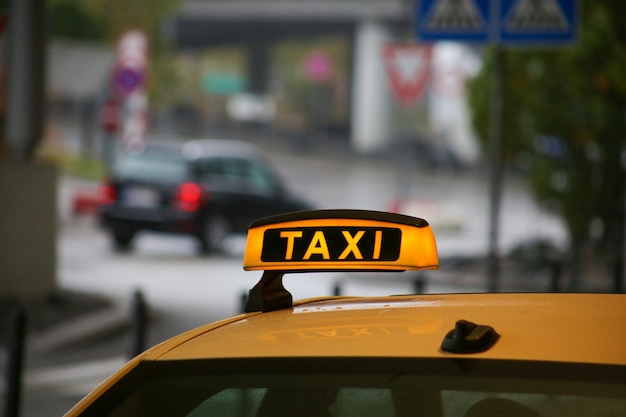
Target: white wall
x: 371, y: 99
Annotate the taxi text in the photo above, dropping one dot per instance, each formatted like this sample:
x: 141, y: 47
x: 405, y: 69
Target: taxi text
x: 331, y: 244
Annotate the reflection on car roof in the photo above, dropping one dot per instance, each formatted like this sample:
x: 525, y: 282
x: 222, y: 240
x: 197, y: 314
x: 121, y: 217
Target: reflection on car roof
x: 199, y: 148
x: 533, y: 327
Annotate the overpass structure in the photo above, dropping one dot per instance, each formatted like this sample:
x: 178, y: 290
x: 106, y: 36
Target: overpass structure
x: 257, y: 25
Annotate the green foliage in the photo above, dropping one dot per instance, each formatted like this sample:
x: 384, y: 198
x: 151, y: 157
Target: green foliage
x: 122, y: 15
x: 70, y: 19
x: 565, y: 117
x: 83, y: 167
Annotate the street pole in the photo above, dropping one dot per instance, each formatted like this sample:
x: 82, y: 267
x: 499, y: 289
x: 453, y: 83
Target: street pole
x: 619, y: 248
x: 496, y: 171
x: 15, y: 362
x: 25, y: 76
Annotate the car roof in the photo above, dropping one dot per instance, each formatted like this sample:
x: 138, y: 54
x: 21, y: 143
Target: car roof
x: 199, y: 148
x: 583, y: 328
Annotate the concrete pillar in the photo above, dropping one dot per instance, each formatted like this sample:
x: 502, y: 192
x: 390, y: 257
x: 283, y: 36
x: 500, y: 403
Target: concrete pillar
x: 371, y: 101
x: 28, y: 210
x: 28, y: 225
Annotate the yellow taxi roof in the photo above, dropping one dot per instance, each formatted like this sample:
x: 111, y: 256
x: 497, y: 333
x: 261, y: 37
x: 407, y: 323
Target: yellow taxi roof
x: 585, y: 328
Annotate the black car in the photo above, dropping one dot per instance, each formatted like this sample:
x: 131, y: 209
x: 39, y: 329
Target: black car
x: 206, y: 188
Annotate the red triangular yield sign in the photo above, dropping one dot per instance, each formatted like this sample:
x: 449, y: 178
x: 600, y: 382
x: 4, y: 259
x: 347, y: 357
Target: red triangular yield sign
x: 408, y: 70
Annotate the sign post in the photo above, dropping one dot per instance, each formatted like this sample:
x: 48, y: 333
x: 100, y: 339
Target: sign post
x: 544, y: 23
x: 124, y: 112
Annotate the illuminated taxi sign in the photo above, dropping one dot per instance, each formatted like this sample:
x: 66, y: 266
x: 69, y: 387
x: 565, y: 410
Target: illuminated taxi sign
x: 340, y: 240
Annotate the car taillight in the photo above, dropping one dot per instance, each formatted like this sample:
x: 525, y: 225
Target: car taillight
x: 107, y: 194
x: 189, y: 196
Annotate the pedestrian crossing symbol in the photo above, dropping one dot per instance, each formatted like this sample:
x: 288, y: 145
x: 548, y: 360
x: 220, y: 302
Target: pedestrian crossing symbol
x: 455, y: 19
x: 456, y: 15
x: 537, y: 21
x: 534, y: 15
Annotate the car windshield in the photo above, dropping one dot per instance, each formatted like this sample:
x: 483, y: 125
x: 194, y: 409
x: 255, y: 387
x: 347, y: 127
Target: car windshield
x: 151, y: 166
x: 451, y: 393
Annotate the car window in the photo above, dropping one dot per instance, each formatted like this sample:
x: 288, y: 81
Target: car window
x: 237, y: 170
x: 377, y: 402
x: 260, y: 176
x: 231, y: 402
x: 305, y: 400
x: 148, y: 166
x: 319, y: 402
x: 479, y: 404
x: 400, y: 393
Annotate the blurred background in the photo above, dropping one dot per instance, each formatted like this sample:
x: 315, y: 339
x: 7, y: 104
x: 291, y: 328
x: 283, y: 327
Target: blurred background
x: 504, y: 128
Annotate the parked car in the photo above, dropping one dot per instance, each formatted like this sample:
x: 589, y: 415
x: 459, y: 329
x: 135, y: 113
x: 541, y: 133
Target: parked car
x: 436, y: 355
x: 203, y: 188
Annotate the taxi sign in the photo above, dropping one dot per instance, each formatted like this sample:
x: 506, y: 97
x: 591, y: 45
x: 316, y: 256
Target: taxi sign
x: 339, y: 240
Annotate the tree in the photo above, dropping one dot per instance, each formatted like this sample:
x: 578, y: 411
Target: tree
x: 565, y: 124
x: 70, y: 19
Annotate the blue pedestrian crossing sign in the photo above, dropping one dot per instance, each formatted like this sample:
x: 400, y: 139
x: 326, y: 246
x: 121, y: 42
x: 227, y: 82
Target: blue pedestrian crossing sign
x: 537, y: 21
x: 505, y: 22
x: 453, y: 20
